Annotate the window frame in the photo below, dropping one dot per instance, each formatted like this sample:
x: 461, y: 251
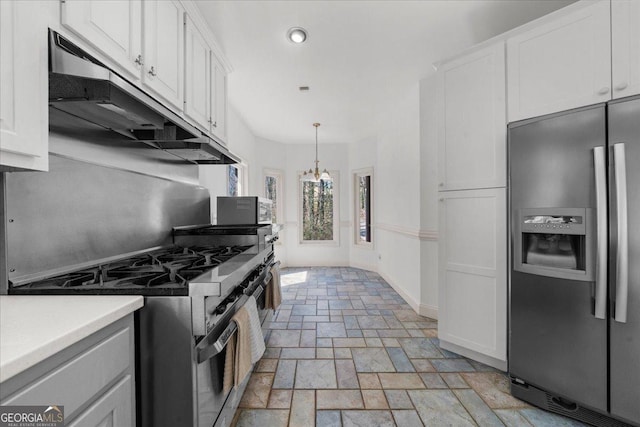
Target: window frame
x: 357, y: 174
x: 335, y: 177
x: 279, y: 176
x: 242, y: 178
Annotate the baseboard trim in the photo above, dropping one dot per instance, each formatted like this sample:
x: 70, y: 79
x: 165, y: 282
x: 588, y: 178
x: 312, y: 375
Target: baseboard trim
x: 367, y: 267
x: 428, y: 311
x: 415, y: 305
x: 471, y: 354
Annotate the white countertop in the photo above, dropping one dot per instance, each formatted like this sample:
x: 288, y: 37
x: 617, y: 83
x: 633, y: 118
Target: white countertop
x: 34, y: 327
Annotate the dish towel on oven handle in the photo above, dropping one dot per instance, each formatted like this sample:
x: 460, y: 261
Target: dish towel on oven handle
x: 257, y: 339
x: 245, y: 347
x: 274, y: 292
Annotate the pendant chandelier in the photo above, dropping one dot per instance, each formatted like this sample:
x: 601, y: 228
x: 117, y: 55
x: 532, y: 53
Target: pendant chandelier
x: 315, y: 175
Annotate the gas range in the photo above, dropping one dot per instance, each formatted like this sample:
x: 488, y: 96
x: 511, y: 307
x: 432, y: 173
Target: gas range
x: 166, y: 271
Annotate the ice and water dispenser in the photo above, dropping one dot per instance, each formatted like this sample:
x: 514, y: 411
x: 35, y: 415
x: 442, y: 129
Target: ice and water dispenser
x: 554, y: 242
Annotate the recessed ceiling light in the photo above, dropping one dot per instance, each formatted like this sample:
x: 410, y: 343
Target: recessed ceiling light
x: 297, y: 35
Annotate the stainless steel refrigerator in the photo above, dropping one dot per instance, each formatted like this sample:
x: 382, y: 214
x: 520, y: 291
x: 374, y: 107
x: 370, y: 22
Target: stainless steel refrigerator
x: 574, y: 314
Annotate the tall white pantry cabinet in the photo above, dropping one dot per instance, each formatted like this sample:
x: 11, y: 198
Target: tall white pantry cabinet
x: 586, y: 53
x: 472, y: 306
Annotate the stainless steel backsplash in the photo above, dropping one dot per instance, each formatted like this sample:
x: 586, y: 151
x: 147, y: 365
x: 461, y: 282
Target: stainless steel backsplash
x: 80, y: 213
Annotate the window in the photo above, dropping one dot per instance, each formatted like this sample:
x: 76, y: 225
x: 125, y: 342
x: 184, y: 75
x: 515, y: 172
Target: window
x: 319, y: 210
x: 236, y: 180
x: 363, y: 204
x: 273, y: 191
x: 232, y: 187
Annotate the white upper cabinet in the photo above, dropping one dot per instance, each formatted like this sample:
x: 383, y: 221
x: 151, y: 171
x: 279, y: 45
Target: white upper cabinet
x: 561, y: 64
x: 218, y: 99
x: 197, y: 101
x: 163, y: 32
x: 625, y: 44
x: 472, y: 120
x: 113, y: 27
x: 205, y: 84
x: 24, y: 116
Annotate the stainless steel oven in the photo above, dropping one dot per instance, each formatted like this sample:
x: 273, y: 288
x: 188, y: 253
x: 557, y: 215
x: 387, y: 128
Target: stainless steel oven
x: 118, y: 239
x: 182, y: 374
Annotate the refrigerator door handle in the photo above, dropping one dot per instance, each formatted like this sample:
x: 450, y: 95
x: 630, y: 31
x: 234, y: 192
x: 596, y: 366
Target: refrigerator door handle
x: 622, y: 259
x: 600, y: 168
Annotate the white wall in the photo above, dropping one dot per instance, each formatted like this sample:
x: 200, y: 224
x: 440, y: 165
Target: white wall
x: 273, y: 156
x: 362, y: 155
x: 397, y: 197
x: 402, y: 153
x: 335, y: 158
x: 429, y: 197
x: 241, y: 142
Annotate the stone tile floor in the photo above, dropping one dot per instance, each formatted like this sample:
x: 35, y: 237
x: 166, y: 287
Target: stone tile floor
x: 344, y: 349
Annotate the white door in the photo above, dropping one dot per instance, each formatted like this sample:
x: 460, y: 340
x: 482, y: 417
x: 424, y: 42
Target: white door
x: 197, y: 100
x: 625, y: 44
x: 112, y: 26
x: 218, y: 99
x: 473, y: 271
x: 472, y: 121
x: 163, y: 34
x: 561, y: 64
x: 24, y: 116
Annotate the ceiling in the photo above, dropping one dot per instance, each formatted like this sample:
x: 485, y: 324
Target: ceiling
x: 359, y: 57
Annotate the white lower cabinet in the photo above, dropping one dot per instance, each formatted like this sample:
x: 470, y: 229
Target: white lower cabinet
x: 472, y: 291
x: 112, y: 409
x: 93, y: 380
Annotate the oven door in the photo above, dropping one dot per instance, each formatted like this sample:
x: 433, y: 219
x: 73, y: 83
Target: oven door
x: 213, y: 405
x: 264, y: 312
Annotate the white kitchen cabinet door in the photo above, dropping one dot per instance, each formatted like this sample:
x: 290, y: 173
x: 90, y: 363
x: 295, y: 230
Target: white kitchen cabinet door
x: 114, y: 27
x: 218, y: 99
x: 472, y: 121
x: 473, y: 271
x: 114, y: 408
x: 560, y: 64
x: 625, y: 44
x: 197, y: 100
x: 24, y: 116
x: 163, y: 35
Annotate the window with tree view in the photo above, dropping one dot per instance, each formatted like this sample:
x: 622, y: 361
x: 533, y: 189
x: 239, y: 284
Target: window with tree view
x: 317, y: 210
x: 362, y: 191
x: 271, y: 193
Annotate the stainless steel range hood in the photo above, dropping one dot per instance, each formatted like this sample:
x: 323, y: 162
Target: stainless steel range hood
x: 84, y: 87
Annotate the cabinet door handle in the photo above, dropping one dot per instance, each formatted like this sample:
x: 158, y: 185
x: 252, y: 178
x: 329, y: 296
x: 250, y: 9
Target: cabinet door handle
x: 603, y: 91
x: 621, y: 86
x: 215, y: 124
x: 152, y: 71
x: 138, y: 60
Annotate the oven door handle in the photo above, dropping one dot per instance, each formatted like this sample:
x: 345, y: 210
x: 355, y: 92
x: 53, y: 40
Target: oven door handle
x: 211, y: 350
x: 218, y: 345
